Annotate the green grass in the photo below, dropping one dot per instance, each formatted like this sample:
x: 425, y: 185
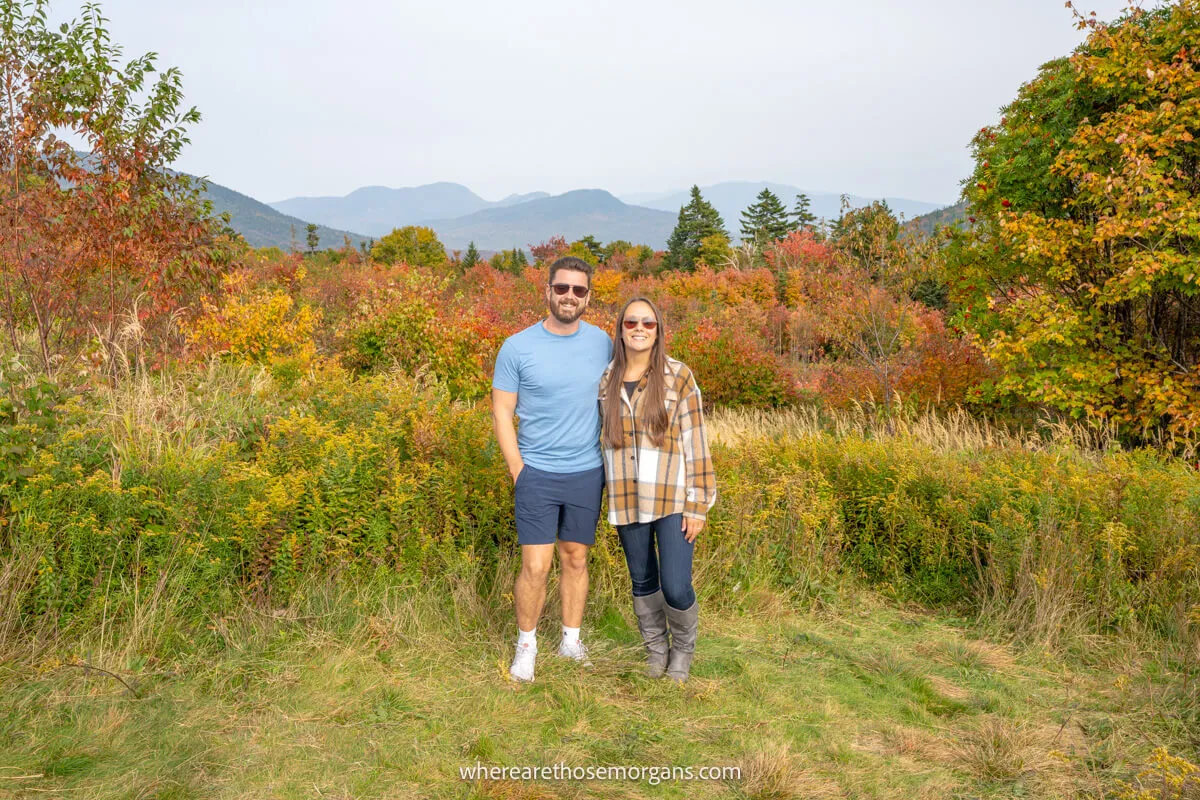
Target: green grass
x: 370, y: 692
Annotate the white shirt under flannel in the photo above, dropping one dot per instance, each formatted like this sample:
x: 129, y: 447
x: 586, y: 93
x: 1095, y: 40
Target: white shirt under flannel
x: 645, y: 482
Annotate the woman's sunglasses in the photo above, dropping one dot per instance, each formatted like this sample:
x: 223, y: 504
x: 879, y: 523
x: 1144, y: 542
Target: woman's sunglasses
x: 648, y: 324
x: 562, y: 288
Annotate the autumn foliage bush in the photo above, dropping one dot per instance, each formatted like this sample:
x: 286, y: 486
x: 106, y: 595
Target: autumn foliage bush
x: 1049, y: 543
x: 1080, y: 272
x: 260, y: 327
x: 340, y: 473
x: 731, y: 362
x: 97, y: 243
x: 800, y: 327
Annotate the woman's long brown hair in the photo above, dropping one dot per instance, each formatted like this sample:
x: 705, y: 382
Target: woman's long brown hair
x: 654, y: 407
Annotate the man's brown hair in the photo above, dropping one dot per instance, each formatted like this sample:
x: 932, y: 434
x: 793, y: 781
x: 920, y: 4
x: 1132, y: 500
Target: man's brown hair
x: 574, y: 264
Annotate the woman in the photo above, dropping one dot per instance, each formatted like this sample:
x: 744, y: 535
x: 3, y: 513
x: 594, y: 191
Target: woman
x: 660, y: 482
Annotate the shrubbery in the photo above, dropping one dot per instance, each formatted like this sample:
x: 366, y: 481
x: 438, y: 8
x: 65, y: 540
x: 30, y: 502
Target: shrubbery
x: 384, y: 472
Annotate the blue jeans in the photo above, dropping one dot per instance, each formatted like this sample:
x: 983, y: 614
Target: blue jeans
x: 670, y: 569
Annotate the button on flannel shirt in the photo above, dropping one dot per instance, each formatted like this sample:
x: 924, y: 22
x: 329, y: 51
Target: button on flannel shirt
x: 645, y: 482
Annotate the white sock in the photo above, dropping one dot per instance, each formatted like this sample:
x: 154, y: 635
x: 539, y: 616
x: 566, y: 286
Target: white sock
x: 570, y: 635
x: 527, y: 638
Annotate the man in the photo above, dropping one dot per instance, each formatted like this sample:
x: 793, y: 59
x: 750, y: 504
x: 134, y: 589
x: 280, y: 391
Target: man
x: 549, y: 376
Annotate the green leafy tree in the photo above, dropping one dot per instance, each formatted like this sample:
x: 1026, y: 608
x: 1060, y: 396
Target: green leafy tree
x: 615, y: 247
x: 870, y: 236
x: 311, y: 237
x: 412, y: 244
x: 594, y: 247
x: 715, y: 251
x: 802, y: 217
x: 698, y: 220
x: 580, y: 249
x: 766, y: 220
x: 514, y: 261
x: 1080, y: 275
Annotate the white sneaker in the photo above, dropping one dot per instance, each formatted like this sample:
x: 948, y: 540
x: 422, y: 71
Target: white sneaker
x: 575, y: 651
x: 522, y: 664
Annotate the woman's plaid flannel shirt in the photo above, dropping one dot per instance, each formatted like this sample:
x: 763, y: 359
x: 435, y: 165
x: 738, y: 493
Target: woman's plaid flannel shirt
x: 645, y: 482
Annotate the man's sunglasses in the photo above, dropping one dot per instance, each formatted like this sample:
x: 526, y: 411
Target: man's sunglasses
x: 648, y: 324
x: 563, y: 288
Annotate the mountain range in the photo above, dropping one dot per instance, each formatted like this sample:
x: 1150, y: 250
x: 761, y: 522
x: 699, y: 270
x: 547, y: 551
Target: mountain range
x: 460, y: 216
x: 572, y: 215
x: 376, y: 210
x: 262, y: 226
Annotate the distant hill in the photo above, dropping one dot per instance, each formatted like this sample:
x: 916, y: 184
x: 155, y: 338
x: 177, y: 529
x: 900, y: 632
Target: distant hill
x: 732, y: 198
x: 262, y: 226
x: 514, y: 199
x: 573, y: 215
x: 927, y: 223
x: 376, y: 210
x: 259, y: 224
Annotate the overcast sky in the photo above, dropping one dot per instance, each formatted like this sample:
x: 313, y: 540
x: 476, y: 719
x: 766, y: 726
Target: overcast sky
x: 870, y: 97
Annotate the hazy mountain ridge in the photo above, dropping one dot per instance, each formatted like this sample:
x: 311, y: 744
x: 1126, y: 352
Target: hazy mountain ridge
x: 573, y: 215
x: 928, y: 223
x: 377, y: 210
x: 460, y: 216
x: 514, y: 199
x: 262, y: 226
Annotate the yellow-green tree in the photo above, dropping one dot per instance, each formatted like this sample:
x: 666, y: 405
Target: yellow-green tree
x: 714, y: 250
x: 1080, y: 272
x: 412, y: 244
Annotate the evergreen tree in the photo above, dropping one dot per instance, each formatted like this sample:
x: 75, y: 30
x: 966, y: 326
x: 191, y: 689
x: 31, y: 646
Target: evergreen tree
x: 520, y: 260
x: 312, y: 239
x: 514, y: 261
x: 472, y: 256
x: 802, y: 218
x: 594, y: 247
x: 766, y: 220
x: 697, y: 221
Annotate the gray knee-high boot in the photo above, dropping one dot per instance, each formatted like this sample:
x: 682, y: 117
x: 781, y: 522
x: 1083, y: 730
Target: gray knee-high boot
x: 684, y: 625
x: 652, y: 622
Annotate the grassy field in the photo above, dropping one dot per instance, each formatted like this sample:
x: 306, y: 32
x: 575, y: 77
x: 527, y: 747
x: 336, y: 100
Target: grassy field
x: 382, y: 692
x: 232, y: 587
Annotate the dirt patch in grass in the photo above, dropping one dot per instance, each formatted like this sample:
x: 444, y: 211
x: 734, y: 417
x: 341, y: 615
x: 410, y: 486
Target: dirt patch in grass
x: 947, y: 689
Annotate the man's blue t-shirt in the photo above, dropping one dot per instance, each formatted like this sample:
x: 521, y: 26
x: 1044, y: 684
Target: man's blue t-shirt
x: 556, y: 379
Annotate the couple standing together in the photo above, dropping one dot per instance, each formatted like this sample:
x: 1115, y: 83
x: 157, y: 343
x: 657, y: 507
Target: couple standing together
x: 645, y: 439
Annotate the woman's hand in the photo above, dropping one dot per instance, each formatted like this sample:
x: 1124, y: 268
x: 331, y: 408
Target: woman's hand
x: 692, y: 528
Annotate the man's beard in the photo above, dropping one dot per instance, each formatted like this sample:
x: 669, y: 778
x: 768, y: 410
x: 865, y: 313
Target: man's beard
x: 565, y: 314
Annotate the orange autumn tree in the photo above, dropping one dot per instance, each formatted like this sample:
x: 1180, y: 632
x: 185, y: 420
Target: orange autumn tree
x: 1081, y: 274
x: 94, y: 244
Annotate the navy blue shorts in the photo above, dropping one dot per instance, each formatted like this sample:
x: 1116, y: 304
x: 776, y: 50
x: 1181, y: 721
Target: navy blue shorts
x: 557, y: 505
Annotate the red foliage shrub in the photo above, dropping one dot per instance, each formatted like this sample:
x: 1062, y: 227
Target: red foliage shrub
x: 941, y: 368
x: 732, y: 360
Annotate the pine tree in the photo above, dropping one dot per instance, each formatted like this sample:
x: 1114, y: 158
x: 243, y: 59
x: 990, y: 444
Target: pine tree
x: 594, y: 247
x: 472, y: 256
x: 697, y: 221
x: 766, y: 220
x: 311, y: 237
x: 802, y: 218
